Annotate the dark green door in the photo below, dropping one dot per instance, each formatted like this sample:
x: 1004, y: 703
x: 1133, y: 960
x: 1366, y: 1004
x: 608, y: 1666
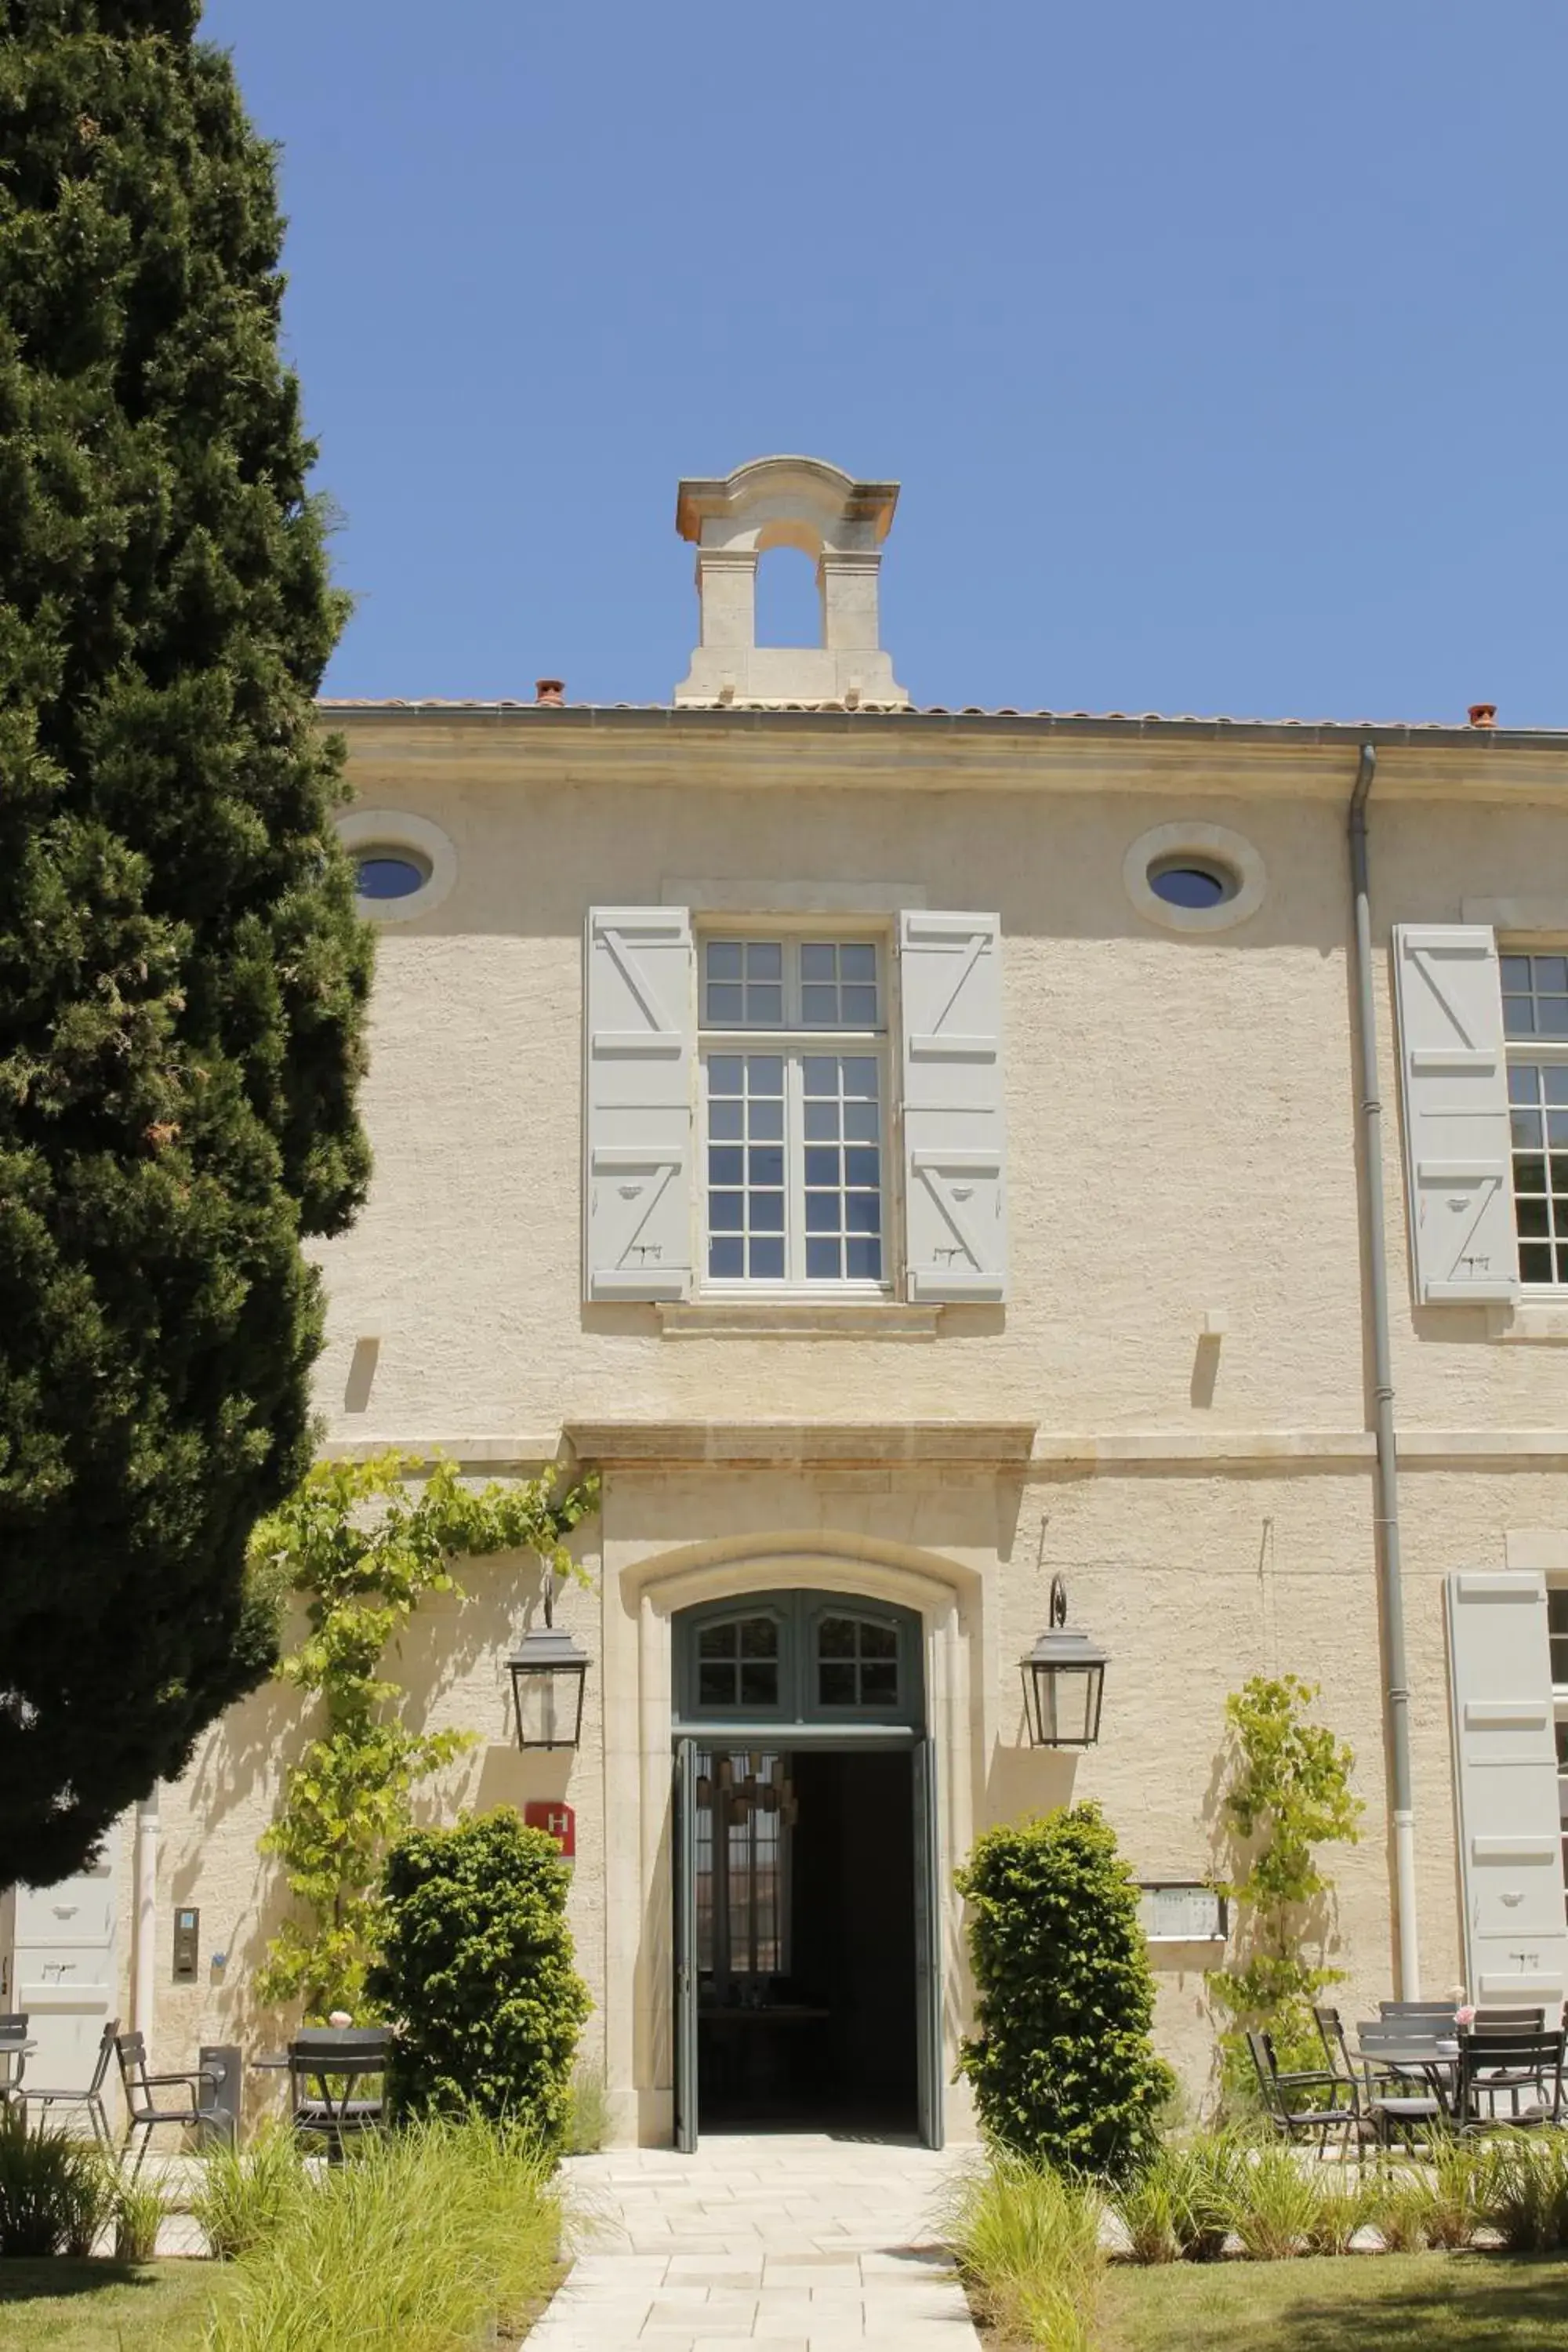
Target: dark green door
x: 928, y: 1946
x: 684, y: 1844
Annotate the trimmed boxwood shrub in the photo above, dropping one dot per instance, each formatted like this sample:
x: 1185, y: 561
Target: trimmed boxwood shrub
x: 477, y: 1973
x: 1062, y: 2066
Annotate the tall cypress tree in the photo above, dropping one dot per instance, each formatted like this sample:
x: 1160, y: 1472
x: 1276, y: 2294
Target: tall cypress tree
x: 182, y: 971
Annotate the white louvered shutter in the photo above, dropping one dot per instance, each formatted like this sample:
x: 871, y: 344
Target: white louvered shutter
x: 1505, y: 1770
x: 640, y: 1031
x: 955, y: 1207
x: 1455, y: 1077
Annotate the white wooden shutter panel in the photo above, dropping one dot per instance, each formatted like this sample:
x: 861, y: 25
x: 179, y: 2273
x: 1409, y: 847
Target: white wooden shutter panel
x: 640, y: 1031
x: 1505, y: 1773
x: 1455, y: 1076
x: 955, y: 1208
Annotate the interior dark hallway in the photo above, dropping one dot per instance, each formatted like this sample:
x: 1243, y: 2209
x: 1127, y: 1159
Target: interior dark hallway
x: 822, y: 2032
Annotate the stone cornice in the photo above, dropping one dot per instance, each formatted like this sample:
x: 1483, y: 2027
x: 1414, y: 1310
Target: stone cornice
x: 1015, y: 1446
x: 942, y: 751
x: 789, y: 1444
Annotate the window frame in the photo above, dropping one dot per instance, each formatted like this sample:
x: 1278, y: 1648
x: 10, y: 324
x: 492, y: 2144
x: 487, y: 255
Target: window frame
x: 1543, y: 1052
x: 798, y: 1613
x: 793, y: 1042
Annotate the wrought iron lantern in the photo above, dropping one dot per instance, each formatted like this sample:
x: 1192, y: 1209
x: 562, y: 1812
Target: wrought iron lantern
x: 1063, y: 1682
x: 548, y: 1672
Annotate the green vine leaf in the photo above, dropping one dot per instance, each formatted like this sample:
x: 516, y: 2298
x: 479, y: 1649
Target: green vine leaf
x: 1288, y: 1793
x: 364, y: 1543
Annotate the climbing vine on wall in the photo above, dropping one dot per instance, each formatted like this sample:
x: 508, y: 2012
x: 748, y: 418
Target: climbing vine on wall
x: 1286, y: 1794
x: 361, y: 1544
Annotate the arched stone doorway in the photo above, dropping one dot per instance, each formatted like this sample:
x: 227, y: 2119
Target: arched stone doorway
x: 643, y: 1598
x: 807, y: 1976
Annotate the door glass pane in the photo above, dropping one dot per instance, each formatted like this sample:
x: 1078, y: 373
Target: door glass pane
x: 744, y: 1816
x: 738, y: 1664
x: 857, y: 1663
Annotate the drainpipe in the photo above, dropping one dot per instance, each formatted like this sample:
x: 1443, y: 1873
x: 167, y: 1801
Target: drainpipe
x: 144, y: 1925
x: 1396, y: 1683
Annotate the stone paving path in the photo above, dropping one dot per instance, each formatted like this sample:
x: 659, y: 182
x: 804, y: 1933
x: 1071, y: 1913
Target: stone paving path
x: 795, y: 2241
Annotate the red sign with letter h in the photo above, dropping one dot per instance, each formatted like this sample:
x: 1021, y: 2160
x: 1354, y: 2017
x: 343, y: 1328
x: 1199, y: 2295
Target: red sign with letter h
x: 558, y: 1821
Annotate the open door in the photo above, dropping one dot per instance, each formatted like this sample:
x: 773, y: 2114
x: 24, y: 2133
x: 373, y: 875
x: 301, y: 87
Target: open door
x: 928, y: 1946
x: 683, y: 1841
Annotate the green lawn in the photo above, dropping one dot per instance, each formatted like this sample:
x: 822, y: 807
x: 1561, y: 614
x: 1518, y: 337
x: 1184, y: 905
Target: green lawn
x: 1357, y: 2303
x: 65, y: 2307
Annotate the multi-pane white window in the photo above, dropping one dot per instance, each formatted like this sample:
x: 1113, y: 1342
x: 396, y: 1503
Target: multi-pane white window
x: 1535, y: 1023
x: 794, y: 1083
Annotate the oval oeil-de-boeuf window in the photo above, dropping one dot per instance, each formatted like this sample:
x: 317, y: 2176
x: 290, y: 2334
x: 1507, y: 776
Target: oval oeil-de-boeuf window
x: 386, y: 870
x: 1193, y: 882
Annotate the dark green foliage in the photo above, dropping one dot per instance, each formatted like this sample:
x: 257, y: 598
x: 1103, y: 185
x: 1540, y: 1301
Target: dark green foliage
x: 1062, y: 2064
x: 182, y: 971
x: 56, y: 2192
x: 477, y: 1971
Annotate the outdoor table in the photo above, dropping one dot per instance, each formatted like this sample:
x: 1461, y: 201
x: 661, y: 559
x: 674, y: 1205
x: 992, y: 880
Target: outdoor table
x: 1436, y: 2062
x: 346, y: 2057
x: 12, y: 2087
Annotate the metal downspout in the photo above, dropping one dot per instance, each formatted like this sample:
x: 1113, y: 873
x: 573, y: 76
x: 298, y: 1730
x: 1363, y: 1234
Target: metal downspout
x: 144, y: 1917
x: 1396, y: 1680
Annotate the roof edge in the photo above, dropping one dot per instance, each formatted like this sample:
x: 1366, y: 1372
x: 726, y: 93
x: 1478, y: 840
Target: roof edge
x: 577, y: 716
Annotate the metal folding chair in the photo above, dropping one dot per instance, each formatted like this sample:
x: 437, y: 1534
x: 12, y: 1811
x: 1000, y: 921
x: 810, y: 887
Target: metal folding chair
x: 327, y: 2064
x: 1495, y: 2060
x: 1393, y: 2105
x: 91, y: 2098
x: 12, y: 2052
x: 1300, y: 2104
x: 145, y: 2112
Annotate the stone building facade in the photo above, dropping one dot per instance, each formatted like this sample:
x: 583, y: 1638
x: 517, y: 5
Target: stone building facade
x: 913, y: 1156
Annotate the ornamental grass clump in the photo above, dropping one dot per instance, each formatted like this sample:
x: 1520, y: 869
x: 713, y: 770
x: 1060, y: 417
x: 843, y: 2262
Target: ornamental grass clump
x: 1278, y: 2207
x: 1027, y: 2243
x: 140, y: 2207
x: 1148, y: 2210
x: 588, y: 2111
x: 1401, y: 2212
x: 1458, y: 2174
x: 56, y: 2192
x: 1522, y: 2189
x: 244, y: 2195
x: 437, y: 2238
x: 1183, y: 2206
x: 1209, y: 2179
x: 1343, y: 2205
x: 1062, y: 2066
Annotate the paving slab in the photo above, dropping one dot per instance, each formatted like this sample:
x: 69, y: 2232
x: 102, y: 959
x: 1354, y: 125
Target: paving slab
x: 800, y: 2241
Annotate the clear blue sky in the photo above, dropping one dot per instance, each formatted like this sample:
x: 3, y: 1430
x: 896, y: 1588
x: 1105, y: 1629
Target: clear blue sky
x: 1221, y: 349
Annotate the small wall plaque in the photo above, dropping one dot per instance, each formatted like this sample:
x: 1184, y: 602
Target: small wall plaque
x: 558, y: 1821
x: 1182, y: 1911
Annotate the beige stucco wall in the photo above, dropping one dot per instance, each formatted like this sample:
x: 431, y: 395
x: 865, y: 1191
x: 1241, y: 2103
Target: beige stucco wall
x: 1181, y: 1138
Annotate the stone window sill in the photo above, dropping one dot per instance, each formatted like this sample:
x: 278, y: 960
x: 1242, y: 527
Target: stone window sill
x: 1530, y: 1318
x: 794, y: 1318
